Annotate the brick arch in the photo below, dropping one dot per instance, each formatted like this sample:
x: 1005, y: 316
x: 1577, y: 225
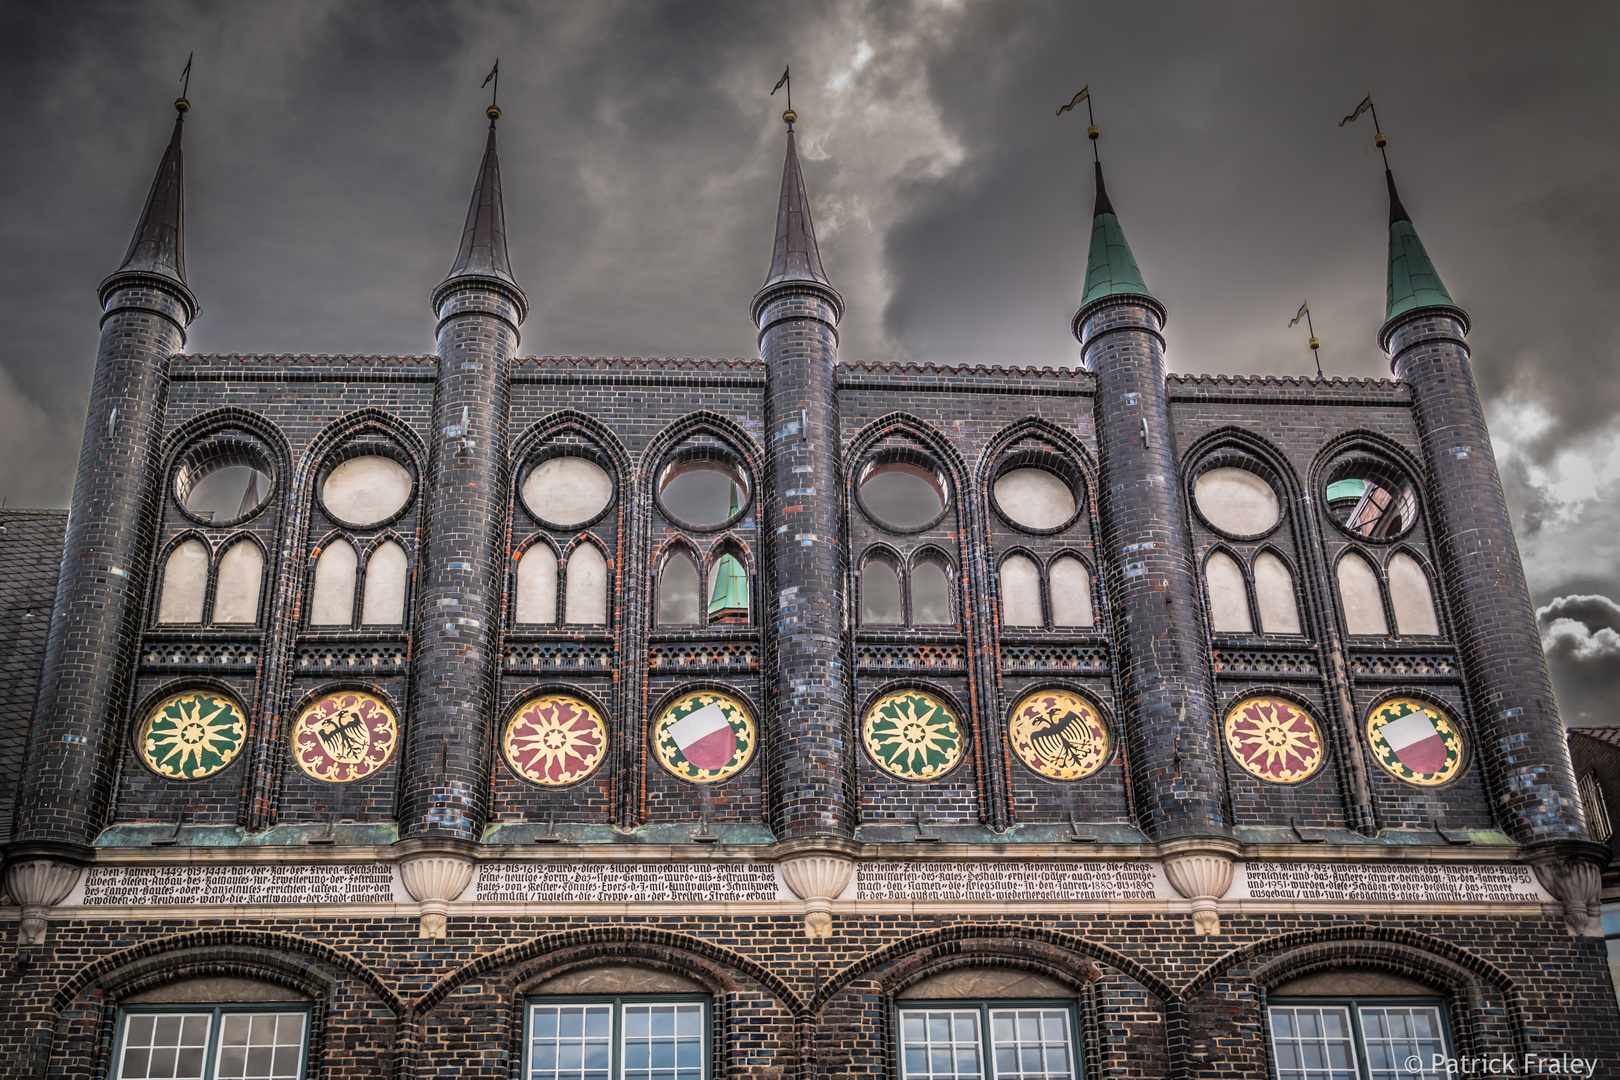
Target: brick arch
x: 229, y: 416
x: 243, y: 947
x: 959, y: 941
x: 587, y: 427
x: 1249, y: 442
x: 641, y: 954
x: 1366, y: 937
x: 607, y: 942
x: 283, y: 969
x: 1012, y: 955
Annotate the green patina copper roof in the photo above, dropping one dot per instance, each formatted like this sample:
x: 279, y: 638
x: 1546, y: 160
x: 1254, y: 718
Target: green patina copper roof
x: 1111, y: 268
x: 1413, y: 281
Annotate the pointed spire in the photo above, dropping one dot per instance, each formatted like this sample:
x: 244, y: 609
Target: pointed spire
x: 483, y: 241
x: 1413, y: 281
x: 159, y: 243
x: 796, y: 256
x: 1110, y: 268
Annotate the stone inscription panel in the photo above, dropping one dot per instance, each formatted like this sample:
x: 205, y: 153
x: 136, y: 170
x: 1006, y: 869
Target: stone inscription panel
x: 1008, y: 881
x: 625, y: 882
x: 162, y: 886
x: 1421, y: 882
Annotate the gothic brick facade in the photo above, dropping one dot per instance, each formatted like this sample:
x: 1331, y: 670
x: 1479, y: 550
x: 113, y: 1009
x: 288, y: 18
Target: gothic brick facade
x: 1151, y: 701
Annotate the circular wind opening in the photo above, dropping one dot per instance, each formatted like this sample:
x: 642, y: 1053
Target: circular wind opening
x: 704, y: 492
x: 1370, y: 499
x: 902, y: 496
x: 568, y: 491
x: 366, y: 490
x: 1237, y: 501
x: 223, y: 481
x: 1035, y: 499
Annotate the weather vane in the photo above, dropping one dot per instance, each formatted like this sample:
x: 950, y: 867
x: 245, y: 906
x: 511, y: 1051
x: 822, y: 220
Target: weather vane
x: 181, y: 104
x: 1305, y: 313
x: 1380, y: 140
x: 494, y: 110
x: 1092, y: 132
x: 787, y: 81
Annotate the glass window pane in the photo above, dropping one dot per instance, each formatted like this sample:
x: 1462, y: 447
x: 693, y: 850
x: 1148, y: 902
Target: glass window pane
x: 1312, y: 1042
x: 260, y: 1046
x: 1393, y: 1034
x: 663, y: 1041
x: 940, y: 1043
x: 1034, y: 1042
x: 165, y: 1045
x: 567, y: 1040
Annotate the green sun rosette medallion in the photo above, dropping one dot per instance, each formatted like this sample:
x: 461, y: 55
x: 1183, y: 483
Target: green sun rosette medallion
x: 913, y: 735
x: 192, y: 734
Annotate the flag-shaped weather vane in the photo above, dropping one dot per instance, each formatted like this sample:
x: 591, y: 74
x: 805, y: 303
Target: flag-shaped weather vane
x: 1091, y: 132
x: 786, y: 80
x: 494, y: 110
x: 1380, y: 140
x: 1304, y: 312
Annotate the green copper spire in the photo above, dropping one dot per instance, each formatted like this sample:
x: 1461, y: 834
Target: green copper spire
x: 1110, y: 268
x: 1413, y: 281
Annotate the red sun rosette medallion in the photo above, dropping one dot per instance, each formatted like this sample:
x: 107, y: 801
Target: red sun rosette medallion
x: 345, y: 736
x: 1274, y: 739
x: 555, y: 740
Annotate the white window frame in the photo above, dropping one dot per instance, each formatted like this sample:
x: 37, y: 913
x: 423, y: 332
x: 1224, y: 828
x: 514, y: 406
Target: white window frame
x: 987, y: 1050
x: 616, y: 1039
x: 1360, y: 1067
x: 216, y: 1015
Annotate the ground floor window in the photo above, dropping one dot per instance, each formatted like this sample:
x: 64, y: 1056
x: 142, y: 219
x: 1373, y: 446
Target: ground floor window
x: 988, y: 1040
x: 617, y: 1039
x: 220, y: 1043
x: 1359, y: 1039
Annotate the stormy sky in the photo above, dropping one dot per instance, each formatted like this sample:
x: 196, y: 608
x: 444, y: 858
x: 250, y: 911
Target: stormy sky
x: 332, y: 146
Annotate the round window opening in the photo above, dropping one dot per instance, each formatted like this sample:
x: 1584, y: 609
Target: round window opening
x: 1035, y: 499
x: 704, y: 493
x: 366, y: 490
x: 1370, y: 499
x: 902, y: 496
x: 1236, y: 501
x: 570, y: 492
x: 223, y: 482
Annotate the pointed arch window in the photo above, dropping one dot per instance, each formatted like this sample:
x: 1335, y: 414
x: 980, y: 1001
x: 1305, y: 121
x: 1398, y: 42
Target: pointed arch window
x: 1410, y: 596
x: 1071, y: 593
x: 537, y: 587
x: 893, y: 594
x: 585, y: 601
x: 1020, y: 592
x: 881, y: 604
x: 185, y: 584
x: 1274, y: 595
x: 241, y: 576
x: 678, y: 591
x: 336, y: 570
x: 1228, y: 595
x: 387, y: 580
x: 728, y: 590
x: 931, y: 593
x: 1362, y: 597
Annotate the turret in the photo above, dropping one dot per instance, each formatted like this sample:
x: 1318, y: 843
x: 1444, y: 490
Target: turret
x: 1523, y: 750
x: 797, y: 312
x: 83, y: 702
x: 456, y: 653
x: 1166, y: 703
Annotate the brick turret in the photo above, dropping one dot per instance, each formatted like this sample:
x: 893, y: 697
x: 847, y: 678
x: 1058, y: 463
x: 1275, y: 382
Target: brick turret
x: 797, y: 312
x: 83, y: 703
x: 456, y: 652
x: 1522, y: 742
x: 1166, y: 708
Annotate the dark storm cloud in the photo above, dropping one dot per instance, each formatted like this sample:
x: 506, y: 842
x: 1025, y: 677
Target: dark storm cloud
x: 332, y: 147
x: 1582, y: 637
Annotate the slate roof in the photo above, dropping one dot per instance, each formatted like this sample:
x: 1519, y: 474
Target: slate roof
x: 30, y: 557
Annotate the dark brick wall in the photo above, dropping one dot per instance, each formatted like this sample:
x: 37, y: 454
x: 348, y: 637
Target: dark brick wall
x: 1155, y: 1001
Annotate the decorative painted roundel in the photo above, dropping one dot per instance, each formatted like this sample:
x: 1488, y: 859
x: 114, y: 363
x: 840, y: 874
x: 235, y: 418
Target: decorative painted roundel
x: 913, y: 735
x: 344, y: 736
x: 1274, y: 739
x: 192, y: 734
x: 1059, y: 735
x: 705, y: 737
x: 555, y: 740
x: 1415, y: 741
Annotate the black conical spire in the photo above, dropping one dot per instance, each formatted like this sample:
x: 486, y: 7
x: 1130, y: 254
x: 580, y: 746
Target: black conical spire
x: 1397, y: 212
x: 795, y: 257
x: 159, y: 243
x: 483, y: 241
x: 1103, y: 206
